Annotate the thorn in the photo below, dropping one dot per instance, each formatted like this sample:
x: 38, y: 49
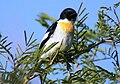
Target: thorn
x: 68, y: 73
x: 76, y: 64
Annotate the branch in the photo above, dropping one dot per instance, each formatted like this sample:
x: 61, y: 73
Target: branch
x: 96, y: 60
x: 89, y: 48
x: 105, y: 70
x: 33, y: 76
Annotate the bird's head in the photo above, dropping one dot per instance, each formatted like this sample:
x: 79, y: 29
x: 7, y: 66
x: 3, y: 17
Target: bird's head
x: 69, y: 14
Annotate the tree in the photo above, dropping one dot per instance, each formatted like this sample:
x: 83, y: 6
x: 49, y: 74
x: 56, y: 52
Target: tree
x: 82, y: 55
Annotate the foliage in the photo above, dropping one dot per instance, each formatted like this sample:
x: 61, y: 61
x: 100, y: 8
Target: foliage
x: 77, y: 65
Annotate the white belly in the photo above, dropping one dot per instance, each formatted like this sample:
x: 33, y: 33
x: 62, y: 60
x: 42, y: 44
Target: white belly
x: 64, y: 42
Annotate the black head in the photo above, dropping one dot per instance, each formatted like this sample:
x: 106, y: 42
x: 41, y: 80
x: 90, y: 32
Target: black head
x: 69, y: 13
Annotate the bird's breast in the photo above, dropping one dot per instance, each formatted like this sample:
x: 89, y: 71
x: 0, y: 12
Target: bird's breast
x: 66, y: 26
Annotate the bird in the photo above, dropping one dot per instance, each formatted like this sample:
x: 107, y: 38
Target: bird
x: 61, y: 32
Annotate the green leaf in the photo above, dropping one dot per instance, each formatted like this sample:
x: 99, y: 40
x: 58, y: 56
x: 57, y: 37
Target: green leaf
x: 47, y: 17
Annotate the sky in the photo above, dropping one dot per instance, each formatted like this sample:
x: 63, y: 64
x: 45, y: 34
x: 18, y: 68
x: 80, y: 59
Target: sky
x: 19, y: 15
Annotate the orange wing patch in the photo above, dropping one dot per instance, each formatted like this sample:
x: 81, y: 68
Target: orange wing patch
x: 66, y: 26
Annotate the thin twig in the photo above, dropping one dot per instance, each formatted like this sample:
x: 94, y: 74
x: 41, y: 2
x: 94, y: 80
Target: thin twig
x: 44, y: 78
x: 116, y: 15
x: 7, y: 58
x: 7, y: 51
x: 112, y: 20
x: 54, y: 56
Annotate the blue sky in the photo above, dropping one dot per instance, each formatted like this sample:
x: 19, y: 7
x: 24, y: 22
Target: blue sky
x: 17, y: 16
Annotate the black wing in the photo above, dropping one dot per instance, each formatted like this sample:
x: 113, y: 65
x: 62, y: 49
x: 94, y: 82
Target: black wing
x: 50, y: 31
